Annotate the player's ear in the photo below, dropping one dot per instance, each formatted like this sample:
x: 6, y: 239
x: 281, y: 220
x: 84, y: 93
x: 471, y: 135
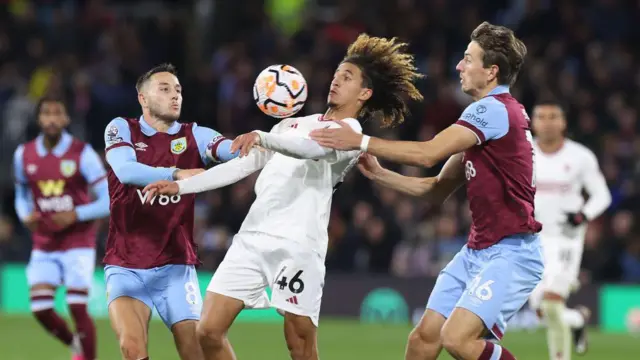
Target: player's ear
x: 365, y: 94
x: 492, y: 72
x: 141, y: 99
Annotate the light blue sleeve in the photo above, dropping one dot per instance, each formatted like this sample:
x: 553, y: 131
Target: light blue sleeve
x: 91, y: 166
x: 487, y: 118
x: 123, y: 159
x: 23, y: 197
x: 213, y: 146
x: 92, y: 169
x: 117, y: 133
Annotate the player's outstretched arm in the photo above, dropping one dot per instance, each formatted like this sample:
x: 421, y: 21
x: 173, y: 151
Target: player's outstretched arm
x: 92, y: 169
x: 123, y: 160
x: 23, y: 197
x: 294, y: 145
x: 214, y: 178
x: 213, y: 147
x: 596, y: 187
x: 481, y: 121
x: 436, y: 189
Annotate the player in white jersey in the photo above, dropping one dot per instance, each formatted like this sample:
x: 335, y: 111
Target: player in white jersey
x: 283, y: 241
x: 564, y: 169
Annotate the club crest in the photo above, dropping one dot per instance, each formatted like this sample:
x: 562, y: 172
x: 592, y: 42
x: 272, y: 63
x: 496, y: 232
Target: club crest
x: 178, y: 146
x: 68, y: 168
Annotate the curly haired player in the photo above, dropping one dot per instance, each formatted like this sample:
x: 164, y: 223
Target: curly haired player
x: 490, y: 147
x: 283, y: 241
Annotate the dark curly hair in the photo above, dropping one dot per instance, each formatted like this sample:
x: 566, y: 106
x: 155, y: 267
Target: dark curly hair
x: 389, y: 72
x: 501, y: 48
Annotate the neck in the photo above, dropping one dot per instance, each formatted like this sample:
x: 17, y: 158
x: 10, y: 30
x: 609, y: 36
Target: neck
x: 50, y: 142
x: 339, y: 113
x: 484, y: 92
x: 157, y: 123
x: 550, y: 146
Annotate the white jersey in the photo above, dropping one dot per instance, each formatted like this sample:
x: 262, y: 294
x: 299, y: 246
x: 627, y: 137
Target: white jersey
x: 560, y: 179
x: 293, y: 196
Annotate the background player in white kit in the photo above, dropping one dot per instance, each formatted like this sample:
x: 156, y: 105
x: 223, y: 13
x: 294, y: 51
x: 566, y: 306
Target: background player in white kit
x: 564, y: 169
x: 283, y: 241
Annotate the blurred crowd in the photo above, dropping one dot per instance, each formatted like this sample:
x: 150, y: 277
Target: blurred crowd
x: 580, y: 52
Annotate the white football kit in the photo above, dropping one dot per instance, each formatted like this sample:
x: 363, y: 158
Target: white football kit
x: 560, y: 179
x: 283, y: 240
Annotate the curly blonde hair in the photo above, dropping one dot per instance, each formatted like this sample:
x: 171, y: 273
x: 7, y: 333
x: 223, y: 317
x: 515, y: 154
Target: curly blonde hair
x: 390, y: 72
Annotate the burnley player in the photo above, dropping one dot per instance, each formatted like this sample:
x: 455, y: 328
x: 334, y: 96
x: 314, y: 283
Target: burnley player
x: 283, y: 240
x: 490, y: 147
x: 150, y: 254
x: 564, y: 169
x: 55, y: 175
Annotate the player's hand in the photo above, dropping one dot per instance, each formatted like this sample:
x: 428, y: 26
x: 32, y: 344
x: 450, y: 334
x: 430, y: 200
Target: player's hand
x: 576, y: 219
x: 186, y: 173
x: 369, y: 166
x: 64, y: 219
x: 245, y: 142
x: 342, y: 138
x: 31, y: 222
x: 162, y: 187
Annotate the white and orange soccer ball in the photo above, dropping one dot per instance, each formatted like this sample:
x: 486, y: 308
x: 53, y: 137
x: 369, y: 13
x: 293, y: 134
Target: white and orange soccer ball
x: 280, y: 91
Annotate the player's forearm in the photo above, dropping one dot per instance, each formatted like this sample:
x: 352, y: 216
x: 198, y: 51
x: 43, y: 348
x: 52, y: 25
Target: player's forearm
x: 98, y: 208
x: 23, y: 202
x: 418, y: 187
x: 129, y: 171
x: 224, y: 174
x: 403, y: 152
x: 293, y: 146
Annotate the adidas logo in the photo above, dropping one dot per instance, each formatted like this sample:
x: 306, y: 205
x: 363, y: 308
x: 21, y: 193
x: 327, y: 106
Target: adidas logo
x: 293, y: 300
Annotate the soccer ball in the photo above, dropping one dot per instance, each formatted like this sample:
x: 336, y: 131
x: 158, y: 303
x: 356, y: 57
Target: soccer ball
x: 280, y: 91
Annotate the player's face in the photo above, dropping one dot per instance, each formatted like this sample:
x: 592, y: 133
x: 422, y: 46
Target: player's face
x: 474, y: 77
x: 52, y: 118
x: 347, y: 87
x: 548, y: 122
x: 162, y: 95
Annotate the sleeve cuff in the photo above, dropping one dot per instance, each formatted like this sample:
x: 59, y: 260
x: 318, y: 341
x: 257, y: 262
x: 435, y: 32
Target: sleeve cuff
x: 117, y: 145
x: 478, y: 133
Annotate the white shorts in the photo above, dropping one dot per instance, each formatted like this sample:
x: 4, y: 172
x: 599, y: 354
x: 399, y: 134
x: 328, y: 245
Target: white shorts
x: 562, y: 259
x: 256, y: 261
x: 73, y: 268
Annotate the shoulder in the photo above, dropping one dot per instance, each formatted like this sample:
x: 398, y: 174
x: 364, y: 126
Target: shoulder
x: 201, y: 130
x: 117, y: 125
x: 119, y: 121
x: 19, y: 151
x: 582, y: 152
x: 486, y: 106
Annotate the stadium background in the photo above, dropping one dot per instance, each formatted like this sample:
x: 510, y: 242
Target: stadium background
x: 384, y: 248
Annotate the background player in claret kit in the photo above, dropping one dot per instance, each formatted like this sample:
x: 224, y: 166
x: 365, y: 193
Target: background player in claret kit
x: 283, y: 240
x: 55, y: 175
x: 491, y: 146
x: 564, y: 169
x: 150, y: 252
